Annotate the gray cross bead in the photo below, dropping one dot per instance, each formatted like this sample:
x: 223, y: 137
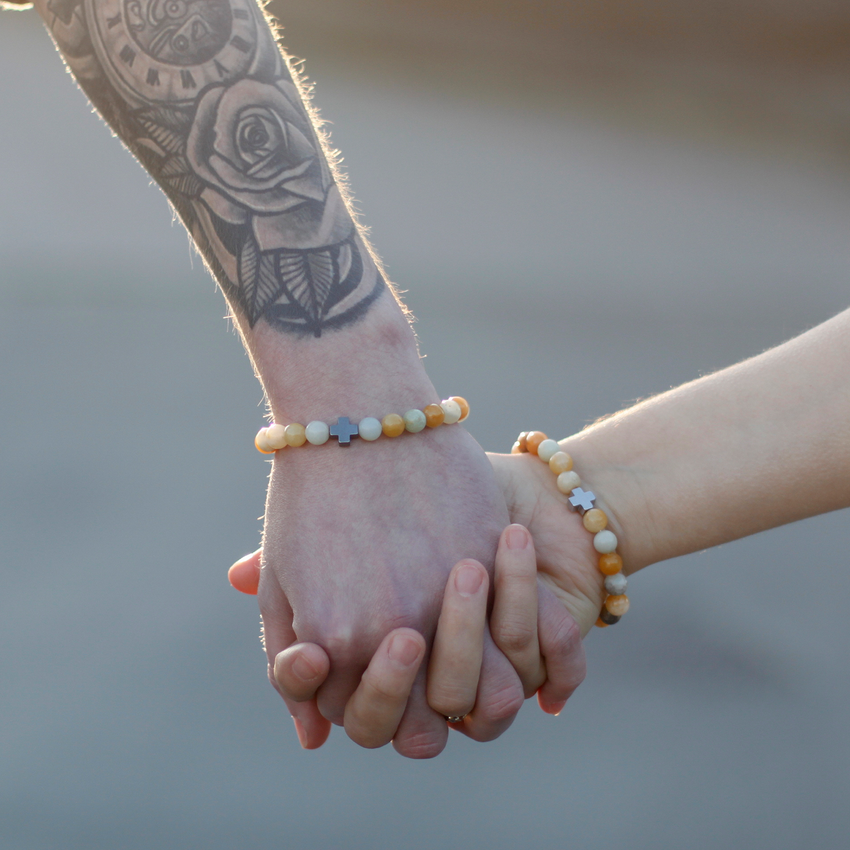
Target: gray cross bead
x: 343, y: 429
x: 582, y: 499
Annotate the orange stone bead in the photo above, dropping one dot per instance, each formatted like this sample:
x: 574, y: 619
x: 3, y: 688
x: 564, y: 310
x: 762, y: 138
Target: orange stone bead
x: 433, y: 415
x: 595, y: 520
x: 533, y: 440
x: 560, y: 462
x: 392, y: 425
x: 617, y: 605
x: 601, y: 623
x: 610, y: 564
x: 464, y: 406
x: 296, y: 435
x: 261, y: 442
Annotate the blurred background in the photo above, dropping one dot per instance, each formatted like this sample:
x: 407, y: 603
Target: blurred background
x: 588, y: 202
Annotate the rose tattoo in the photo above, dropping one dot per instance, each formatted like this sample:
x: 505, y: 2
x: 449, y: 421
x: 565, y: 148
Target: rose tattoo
x: 201, y: 92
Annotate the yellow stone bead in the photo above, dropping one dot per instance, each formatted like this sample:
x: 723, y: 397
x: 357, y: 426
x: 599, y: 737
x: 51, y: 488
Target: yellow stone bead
x: 392, y: 425
x: 261, y: 442
x: 560, y: 462
x: 595, y: 520
x: 276, y: 436
x: 296, y: 435
x: 610, y: 564
x: 434, y: 415
x: 533, y: 440
x: 617, y: 605
x: 566, y: 482
x: 464, y: 406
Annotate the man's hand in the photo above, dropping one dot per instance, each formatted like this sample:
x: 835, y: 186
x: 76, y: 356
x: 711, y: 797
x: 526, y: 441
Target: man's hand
x: 360, y: 541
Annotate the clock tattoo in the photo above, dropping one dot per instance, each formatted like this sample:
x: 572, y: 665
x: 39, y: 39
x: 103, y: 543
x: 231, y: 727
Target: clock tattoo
x: 199, y: 91
x: 169, y: 50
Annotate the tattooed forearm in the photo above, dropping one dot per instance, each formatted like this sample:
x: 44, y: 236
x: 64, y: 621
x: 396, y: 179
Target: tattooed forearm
x: 200, y: 93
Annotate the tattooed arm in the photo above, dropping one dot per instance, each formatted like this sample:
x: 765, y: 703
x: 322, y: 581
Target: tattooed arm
x: 357, y: 541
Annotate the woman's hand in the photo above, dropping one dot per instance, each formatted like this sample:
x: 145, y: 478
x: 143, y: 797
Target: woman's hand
x: 527, y: 623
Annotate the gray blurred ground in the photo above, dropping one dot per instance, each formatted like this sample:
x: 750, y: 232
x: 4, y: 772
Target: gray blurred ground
x: 562, y: 260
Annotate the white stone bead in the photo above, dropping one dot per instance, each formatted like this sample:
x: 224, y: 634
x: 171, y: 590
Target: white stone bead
x: 616, y: 585
x: 568, y: 481
x: 452, y: 411
x: 370, y: 428
x: 546, y: 449
x: 414, y: 420
x: 275, y: 437
x: 605, y: 542
x: 317, y: 432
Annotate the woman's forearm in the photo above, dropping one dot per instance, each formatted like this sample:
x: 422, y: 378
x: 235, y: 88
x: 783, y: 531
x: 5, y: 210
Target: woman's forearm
x: 754, y: 446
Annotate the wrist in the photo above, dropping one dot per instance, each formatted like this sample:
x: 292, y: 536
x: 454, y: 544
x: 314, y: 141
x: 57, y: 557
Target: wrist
x: 369, y: 369
x: 621, y: 494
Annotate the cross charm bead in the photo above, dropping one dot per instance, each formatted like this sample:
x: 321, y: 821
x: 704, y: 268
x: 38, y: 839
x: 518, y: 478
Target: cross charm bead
x: 343, y: 429
x: 582, y: 499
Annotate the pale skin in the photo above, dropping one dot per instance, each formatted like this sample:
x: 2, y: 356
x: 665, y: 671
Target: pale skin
x: 550, y: 661
x: 222, y: 126
x: 357, y: 541
x: 760, y: 444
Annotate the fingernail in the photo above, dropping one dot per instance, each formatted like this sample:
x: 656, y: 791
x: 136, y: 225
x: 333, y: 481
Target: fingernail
x: 404, y: 650
x: 468, y: 580
x: 301, y: 732
x: 303, y: 669
x: 554, y: 708
x: 516, y: 537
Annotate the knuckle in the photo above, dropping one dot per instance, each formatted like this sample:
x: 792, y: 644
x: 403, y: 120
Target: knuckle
x: 502, y: 705
x: 515, y: 579
x: 345, y: 646
x: 425, y: 745
x: 514, y: 636
x: 565, y: 655
x: 331, y: 711
x: 385, y: 690
x: 340, y: 642
x: 451, y: 701
x: 363, y: 736
x: 566, y: 635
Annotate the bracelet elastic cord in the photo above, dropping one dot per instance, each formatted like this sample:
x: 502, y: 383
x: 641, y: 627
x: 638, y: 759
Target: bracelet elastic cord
x: 595, y: 521
x: 275, y: 437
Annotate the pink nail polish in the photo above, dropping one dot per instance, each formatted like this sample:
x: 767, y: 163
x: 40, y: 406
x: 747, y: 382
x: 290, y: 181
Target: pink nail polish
x: 403, y: 649
x: 516, y: 537
x: 468, y: 580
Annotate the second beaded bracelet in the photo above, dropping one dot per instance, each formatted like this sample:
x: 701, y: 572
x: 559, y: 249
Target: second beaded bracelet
x: 275, y: 437
x: 595, y: 521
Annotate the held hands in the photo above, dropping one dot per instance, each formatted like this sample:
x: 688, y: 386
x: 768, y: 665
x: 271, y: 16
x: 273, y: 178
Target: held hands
x: 373, y: 712
x: 535, y: 624
x: 359, y: 542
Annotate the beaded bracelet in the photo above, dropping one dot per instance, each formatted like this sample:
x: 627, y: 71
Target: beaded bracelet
x: 595, y: 521
x: 275, y: 436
